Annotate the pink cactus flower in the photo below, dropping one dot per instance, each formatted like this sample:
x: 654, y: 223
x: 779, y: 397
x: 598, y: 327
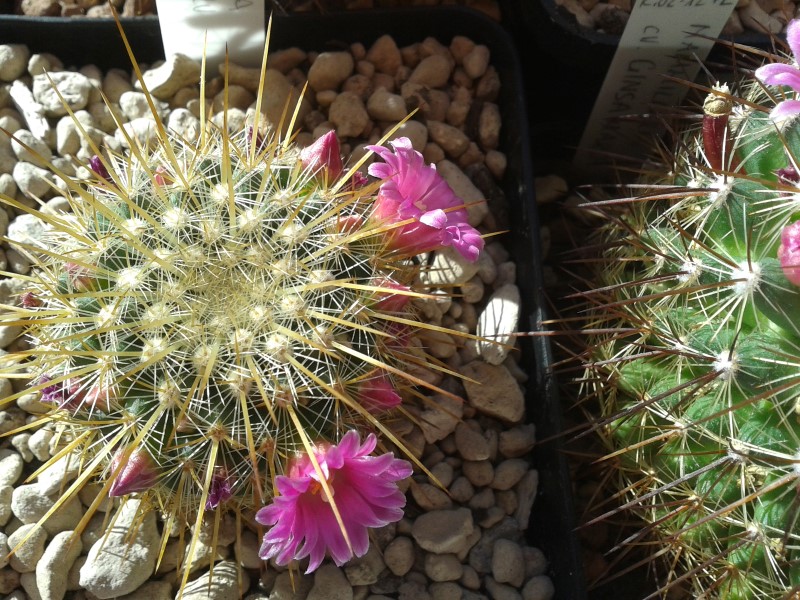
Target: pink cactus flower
x: 376, y: 392
x: 324, y: 156
x: 785, y: 75
x: 301, y: 520
x: 789, y: 252
x: 414, y: 190
x: 137, y: 474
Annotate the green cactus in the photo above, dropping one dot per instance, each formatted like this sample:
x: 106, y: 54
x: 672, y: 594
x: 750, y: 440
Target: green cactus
x: 697, y: 374
x: 210, y: 310
x: 207, y: 328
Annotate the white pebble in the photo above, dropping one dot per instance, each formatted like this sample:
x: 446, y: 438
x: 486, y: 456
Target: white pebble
x: 27, y: 546
x: 508, y: 563
x: 13, y: 61
x: 498, y: 323
x: 53, y: 567
x: 121, y: 561
x: 227, y: 582
x: 11, y: 465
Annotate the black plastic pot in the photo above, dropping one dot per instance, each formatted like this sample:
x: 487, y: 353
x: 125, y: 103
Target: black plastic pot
x: 85, y: 41
x: 565, y: 65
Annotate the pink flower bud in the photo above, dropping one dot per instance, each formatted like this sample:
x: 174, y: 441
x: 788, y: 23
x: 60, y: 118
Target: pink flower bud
x: 220, y: 490
x: 358, y: 180
x: 30, y: 300
x: 389, y: 302
x: 99, y: 397
x: 133, y: 471
x: 398, y: 336
x: 324, y: 155
x: 376, y: 393
x: 789, y: 252
x: 259, y: 138
x: 348, y: 224
x: 160, y: 176
x: 79, y: 277
x: 96, y: 165
x: 788, y: 175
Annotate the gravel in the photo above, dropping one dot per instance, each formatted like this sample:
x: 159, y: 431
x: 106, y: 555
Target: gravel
x: 137, y: 8
x: 467, y: 543
x: 750, y: 16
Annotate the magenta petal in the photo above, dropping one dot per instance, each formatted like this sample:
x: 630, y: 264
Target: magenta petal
x: 55, y: 393
x: 380, y: 170
x: 434, y: 218
x: 365, y: 492
x: 789, y: 252
x: 793, y: 37
x: 785, y: 110
x: 466, y: 239
x: 779, y: 74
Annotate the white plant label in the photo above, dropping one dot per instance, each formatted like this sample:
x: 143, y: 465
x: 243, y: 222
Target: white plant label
x: 186, y: 25
x: 662, y: 37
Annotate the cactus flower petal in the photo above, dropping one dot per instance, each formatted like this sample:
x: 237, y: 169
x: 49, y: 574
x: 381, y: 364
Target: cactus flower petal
x: 789, y: 252
x: 54, y: 393
x: 793, y: 37
x: 137, y: 474
x: 324, y: 155
x: 785, y: 75
x: 779, y: 74
x: 785, y: 110
x: 302, y: 522
x: 416, y: 191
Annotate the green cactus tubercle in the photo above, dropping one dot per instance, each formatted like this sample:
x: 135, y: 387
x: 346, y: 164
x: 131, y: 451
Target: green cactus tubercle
x: 698, y: 384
